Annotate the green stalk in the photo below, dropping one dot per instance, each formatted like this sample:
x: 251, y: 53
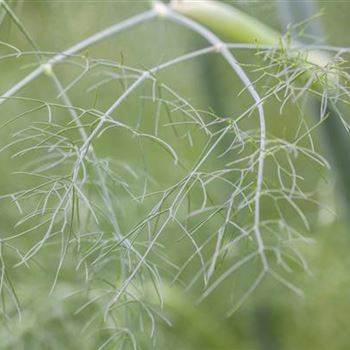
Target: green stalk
x: 227, y: 21
x: 236, y: 26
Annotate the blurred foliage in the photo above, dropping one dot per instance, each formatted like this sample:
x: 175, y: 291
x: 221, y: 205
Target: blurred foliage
x: 72, y: 315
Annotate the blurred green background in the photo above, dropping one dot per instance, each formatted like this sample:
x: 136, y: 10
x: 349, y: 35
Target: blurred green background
x: 273, y: 317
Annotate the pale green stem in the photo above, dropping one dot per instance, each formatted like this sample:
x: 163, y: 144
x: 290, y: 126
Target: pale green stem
x: 227, y: 55
x: 236, y: 26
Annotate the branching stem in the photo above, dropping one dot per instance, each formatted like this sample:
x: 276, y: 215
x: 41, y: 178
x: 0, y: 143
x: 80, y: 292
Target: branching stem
x: 227, y: 55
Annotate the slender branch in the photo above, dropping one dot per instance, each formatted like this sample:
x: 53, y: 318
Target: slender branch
x: 144, y: 76
x: 227, y: 55
x: 116, y: 28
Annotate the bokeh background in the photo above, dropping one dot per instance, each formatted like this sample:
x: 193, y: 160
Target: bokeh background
x: 273, y: 317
